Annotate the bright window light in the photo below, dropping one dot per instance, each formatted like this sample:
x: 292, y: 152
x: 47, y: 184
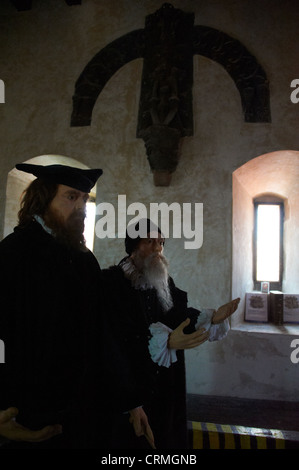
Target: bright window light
x: 89, y: 224
x: 268, y: 243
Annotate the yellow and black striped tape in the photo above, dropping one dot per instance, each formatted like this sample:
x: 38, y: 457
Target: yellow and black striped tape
x: 224, y: 436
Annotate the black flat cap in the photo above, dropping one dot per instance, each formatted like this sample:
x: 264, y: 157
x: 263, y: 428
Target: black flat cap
x: 76, y: 178
x: 135, y: 232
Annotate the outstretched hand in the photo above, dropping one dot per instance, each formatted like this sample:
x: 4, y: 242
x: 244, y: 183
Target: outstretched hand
x: 225, y: 311
x: 179, y: 340
x: 139, y: 421
x: 14, y: 431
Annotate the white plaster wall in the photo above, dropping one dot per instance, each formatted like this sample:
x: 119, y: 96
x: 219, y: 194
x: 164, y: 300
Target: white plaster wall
x: 42, y: 53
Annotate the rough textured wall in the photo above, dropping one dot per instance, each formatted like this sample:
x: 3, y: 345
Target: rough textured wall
x: 43, y: 52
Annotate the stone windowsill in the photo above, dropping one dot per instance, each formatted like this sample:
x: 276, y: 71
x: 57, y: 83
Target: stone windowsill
x: 265, y: 328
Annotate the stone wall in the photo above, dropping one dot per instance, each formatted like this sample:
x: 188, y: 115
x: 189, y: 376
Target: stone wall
x: 42, y: 53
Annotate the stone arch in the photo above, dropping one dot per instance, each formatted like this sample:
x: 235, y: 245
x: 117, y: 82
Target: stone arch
x: 248, y: 75
x: 98, y: 72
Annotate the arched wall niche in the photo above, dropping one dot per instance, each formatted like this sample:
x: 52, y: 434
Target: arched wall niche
x: 275, y: 173
x: 17, y: 181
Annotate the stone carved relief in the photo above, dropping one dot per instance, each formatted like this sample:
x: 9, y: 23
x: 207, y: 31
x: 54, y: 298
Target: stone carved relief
x: 167, y: 70
x: 167, y: 45
x: 164, y: 99
x: 166, y: 91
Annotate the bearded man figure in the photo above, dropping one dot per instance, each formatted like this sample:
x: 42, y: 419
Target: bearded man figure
x: 143, y: 297
x: 155, y: 325
x: 50, y: 286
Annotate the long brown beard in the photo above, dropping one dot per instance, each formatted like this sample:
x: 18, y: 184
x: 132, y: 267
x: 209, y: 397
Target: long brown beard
x: 69, y: 232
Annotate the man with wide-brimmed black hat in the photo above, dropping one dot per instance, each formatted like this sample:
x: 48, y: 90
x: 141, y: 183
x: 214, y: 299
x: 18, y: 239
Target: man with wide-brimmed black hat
x: 50, y: 286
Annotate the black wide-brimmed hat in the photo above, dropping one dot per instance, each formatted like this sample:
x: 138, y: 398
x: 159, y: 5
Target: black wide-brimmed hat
x: 135, y: 232
x: 76, y: 178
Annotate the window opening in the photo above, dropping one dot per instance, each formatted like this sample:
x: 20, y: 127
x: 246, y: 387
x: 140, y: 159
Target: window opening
x: 89, y: 223
x: 268, y: 243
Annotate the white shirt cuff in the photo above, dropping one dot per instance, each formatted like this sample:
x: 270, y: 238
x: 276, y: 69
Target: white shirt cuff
x: 217, y: 332
x: 158, y: 345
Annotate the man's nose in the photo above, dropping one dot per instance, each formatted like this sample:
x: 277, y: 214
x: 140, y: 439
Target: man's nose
x: 81, y: 203
x: 157, y: 246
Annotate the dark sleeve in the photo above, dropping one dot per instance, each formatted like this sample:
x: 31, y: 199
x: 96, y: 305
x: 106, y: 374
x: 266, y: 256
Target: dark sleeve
x: 118, y: 348
x: 11, y: 298
x: 180, y: 310
x: 47, y: 304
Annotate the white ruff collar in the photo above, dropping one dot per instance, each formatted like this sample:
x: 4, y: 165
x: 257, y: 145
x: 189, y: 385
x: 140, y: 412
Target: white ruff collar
x: 136, y: 277
x: 139, y: 281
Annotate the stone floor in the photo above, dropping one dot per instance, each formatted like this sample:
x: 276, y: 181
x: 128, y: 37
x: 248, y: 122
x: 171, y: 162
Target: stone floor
x: 245, y: 412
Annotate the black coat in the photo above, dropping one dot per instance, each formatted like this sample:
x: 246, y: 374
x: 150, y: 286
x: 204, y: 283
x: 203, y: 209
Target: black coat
x: 50, y: 305
x: 161, y: 390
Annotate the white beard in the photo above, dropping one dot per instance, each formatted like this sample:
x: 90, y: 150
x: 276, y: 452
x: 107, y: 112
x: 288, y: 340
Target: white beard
x: 150, y: 273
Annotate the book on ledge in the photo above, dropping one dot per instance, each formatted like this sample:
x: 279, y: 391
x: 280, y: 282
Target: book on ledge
x: 276, y: 307
x: 256, y: 307
x: 291, y: 308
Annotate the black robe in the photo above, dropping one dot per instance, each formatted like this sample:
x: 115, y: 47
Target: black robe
x: 161, y: 390
x: 50, y: 312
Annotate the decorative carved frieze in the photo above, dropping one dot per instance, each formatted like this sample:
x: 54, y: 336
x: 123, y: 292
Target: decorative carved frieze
x: 167, y: 44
